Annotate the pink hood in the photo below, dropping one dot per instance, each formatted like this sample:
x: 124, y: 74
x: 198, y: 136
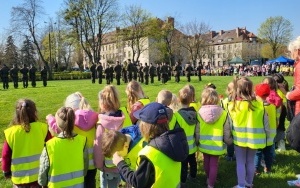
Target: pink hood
x: 210, y: 113
x: 85, y: 119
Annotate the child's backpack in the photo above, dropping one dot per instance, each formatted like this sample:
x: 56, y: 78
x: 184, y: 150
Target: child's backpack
x: 293, y: 133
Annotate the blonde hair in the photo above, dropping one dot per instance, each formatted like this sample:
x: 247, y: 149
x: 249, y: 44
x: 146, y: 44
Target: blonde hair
x: 294, y: 45
x: 25, y: 114
x: 186, y: 95
x: 77, y: 101
x: 174, y: 103
x: 271, y: 81
x: 112, y: 141
x: 132, y: 90
x: 209, y: 96
x: 243, y: 90
x: 229, y: 89
x: 109, y: 99
x: 164, y: 97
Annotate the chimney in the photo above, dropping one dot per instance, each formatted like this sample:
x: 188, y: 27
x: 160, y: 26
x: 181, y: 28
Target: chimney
x: 221, y: 32
x: 237, y: 32
x: 212, y: 34
x: 170, y: 20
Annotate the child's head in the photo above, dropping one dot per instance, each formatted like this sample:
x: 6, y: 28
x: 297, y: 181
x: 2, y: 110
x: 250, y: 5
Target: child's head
x: 25, y: 114
x: 243, y: 89
x: 76, y: 101
x: 278, y: 78
x: 114, y: 141
x: 192, y: 91
x: 65, y: 118
x: 262, y: 90
x: 210, y: 85
x: 109, y: 99
x: 230, y: 88
x: 174, y: 103
x: 186, y: 95
x: 164, y: 97
x: 154, y: 120
x: 209, y: 97
x: 271, y: 81
x: 134, y: 92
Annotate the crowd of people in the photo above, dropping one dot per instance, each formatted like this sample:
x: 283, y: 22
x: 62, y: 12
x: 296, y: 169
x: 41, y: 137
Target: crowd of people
x: 28, y: 74
x: 138, y: 144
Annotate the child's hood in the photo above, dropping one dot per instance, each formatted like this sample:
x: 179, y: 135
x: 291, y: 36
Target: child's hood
x: 210, y: 113
x: 172, y: 143
x: 85, y: 119
x: 111, y: 122
x: 189, y: 115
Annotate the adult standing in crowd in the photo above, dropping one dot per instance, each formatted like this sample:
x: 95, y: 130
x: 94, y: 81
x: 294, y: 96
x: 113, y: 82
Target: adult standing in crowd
x: 158, y: 72
x: 24, y: 71
x: 146, y: 73
x: 199, y: 70
x: 93, y: 72
x: 118, y: 70
x: 135, y: 71
x: 152, y: 73
x: 32, y: 75
x: 141, y: 74
x: 4, y: 72
x: 164, y: 73
x: 294, y: 95
x: 107, y: 74
x: 129, y: 70
x: 178, y: 70
x: 44, y: 76
x: 124, y: 72
x: 111, y: 73
x: 100, y: 73
x: 188, y: 71
x: 14, y: 75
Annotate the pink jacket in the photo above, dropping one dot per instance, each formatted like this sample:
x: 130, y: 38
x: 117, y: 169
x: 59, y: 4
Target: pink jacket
x: 295, y: 94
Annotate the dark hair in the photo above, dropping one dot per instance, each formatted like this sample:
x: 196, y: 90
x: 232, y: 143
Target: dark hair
x: 25, y: 114
x: 65, y: 118
x: 278, y: 78
x: 150, y: 131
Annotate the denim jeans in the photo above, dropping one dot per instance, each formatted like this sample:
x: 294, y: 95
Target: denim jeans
x: 268, y: 157
x: 109, y: 180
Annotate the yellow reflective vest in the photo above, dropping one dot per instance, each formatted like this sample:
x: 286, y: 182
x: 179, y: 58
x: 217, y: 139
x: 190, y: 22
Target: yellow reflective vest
x: 167, y: 171
x: 248, y: 125
x: 90, y: 135
x: 211, y: 136
x: 66, y: 157
x: 26, y: 150
x: 127, y: 121
x: 131, y: 158
x: 189, y: 131
x: 196, y: 105
x: 271, y: 111
x: 144, y: 101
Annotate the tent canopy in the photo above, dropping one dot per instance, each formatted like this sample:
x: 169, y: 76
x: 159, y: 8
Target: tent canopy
x: 282, y: 60
x: 256, y: 62
x: 236, y: 60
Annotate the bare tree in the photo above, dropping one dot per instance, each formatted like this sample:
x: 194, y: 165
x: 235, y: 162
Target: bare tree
x: 195, y: 41
x: 276, y: 31
x: 90, y: 20
x: 137, y: 24
x: 25, y: 20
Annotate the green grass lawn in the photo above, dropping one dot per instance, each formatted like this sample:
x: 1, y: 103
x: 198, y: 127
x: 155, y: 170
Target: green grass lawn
x: 49, y: 99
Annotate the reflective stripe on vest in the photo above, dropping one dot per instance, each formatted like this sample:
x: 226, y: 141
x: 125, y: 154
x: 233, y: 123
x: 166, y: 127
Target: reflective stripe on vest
x: 271, y: 111
x: 90, y: 137
x: 127, y: 121
x: 109, y: 163
x: 211, y: 136
x: 189, y: 131
x: 248, y: 125
x: 26, y: 150
x: 66, y: 170
x: 167, y: 171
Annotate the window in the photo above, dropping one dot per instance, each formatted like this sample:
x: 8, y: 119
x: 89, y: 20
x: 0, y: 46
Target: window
x: 219, y: 47
x: 224, y: 47
x: 220, y: 40
x: 229, y: 46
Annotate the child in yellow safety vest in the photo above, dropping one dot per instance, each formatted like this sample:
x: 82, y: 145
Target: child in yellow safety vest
x: 23, y: 145
x: 250, y: 129
x: 262, y: 91
x: 109, y: 118
x: 165, y: 97
x: 59, y: 168
x: 85, y: 125
x: 215, y: 129
x: 158, y: 162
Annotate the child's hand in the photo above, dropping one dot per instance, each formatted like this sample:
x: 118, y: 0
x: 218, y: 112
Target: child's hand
x: 117, y: 158
x: 48, y: 116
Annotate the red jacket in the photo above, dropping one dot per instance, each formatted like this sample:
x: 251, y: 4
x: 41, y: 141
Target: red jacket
x: 295, y: 94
